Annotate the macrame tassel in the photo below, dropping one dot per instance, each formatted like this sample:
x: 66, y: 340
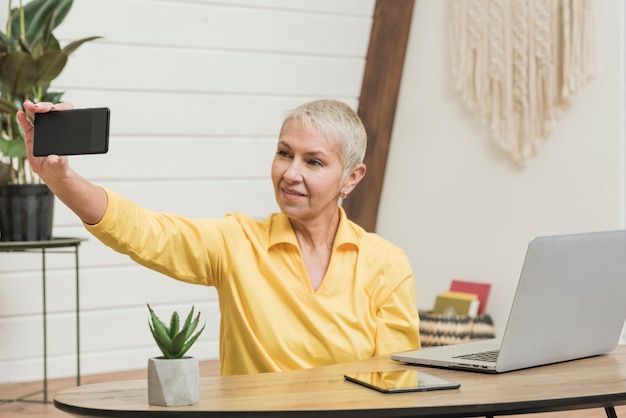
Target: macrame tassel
x: 470, y: 53
x: 580, y: 63
x: 521, y: 104
x: 544, y: 35
x: 589, y: 41
x: 497, y: 44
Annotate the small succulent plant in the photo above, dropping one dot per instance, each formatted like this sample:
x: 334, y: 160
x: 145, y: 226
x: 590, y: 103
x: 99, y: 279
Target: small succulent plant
x: 174, y: 341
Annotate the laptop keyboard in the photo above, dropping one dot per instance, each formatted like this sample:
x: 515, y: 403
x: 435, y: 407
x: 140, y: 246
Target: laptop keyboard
x: 489, y: 356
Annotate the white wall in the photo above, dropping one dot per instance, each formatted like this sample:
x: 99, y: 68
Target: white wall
x: 197, y: 91
x: 458, y: 204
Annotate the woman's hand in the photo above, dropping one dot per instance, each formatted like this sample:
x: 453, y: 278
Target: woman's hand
x: 52, y: 166
x: 84, y: 198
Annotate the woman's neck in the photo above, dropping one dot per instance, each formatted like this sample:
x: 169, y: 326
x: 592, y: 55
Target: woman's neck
x: 316, y: 245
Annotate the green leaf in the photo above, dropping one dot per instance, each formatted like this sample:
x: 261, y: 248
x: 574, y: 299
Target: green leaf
x: 174, y: 325
x: 73, y: 46
x: 165, y: 350
x: 4, y: 146
x: 42, y: 17
x: 178, y: 342
x: 52, y: 62
x: 12, y: 149
x: 5, y: 173
x: 7, y: 107
x: 178, y: 339
x: 189, y: 343
x: 160, y: 332
x: 49, y: 66
x: 188, y: 320
x: 18, y: 72
x: 6, y: 44
x: 192, y: 327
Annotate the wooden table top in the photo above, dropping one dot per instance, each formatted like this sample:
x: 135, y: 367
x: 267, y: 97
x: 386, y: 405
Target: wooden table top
x: 587, y: 383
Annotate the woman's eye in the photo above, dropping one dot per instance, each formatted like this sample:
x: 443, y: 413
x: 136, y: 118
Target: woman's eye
x: 282, y: 153
x: 317, y: 163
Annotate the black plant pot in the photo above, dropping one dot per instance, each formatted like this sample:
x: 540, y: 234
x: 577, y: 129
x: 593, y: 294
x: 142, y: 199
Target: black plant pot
x: 26, y: 212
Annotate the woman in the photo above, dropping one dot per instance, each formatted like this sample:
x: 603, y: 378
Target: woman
x: 305, y: 287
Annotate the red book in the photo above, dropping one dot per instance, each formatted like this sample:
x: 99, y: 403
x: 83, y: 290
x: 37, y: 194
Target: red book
x: 479, y: 289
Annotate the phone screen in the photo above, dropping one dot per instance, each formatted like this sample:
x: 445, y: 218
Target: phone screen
x: 407, y: 380
x: 72, y: 132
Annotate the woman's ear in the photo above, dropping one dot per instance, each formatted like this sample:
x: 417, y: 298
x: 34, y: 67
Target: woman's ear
x: 354, y: 177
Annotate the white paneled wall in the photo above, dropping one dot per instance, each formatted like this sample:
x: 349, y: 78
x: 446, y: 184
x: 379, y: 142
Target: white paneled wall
x: 197, y: 91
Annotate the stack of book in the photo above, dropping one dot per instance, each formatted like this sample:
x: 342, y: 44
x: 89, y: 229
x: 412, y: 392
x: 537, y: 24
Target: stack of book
x: 464, y: 298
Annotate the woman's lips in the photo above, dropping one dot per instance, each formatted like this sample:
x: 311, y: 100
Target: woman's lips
x: 292, y: 193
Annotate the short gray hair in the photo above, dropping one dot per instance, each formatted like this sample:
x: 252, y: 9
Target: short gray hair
x: 336, y: 120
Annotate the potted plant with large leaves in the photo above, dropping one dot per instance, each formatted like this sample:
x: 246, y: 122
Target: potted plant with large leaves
x: 30, y: 58
x: 173, y: 378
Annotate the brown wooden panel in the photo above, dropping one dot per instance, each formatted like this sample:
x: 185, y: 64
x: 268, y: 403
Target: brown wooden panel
x: 377, y: 106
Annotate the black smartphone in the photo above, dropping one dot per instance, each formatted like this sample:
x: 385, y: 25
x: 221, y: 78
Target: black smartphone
x: 72, y: 132
x: 407, y: 380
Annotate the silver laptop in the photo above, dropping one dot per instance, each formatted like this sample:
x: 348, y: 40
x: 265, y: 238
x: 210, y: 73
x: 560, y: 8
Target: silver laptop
x: 570, y: 303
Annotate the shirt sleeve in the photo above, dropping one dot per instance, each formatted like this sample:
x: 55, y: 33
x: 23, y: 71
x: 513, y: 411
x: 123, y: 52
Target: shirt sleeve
x: 172, y: 245
x: 397, y: 316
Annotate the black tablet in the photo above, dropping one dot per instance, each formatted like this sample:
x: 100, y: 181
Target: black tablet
x: 406, y: 380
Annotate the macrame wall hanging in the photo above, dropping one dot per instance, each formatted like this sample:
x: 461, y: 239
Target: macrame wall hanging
x: 519, y: 62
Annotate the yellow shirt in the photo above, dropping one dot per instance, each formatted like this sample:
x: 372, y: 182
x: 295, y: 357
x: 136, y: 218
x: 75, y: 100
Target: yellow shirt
x: 271, y: 317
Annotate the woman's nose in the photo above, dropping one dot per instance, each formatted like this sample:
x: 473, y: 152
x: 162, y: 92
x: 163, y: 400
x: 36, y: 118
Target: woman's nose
x: 293, y: 173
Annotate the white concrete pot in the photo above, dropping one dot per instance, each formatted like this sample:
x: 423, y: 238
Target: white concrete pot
x: 173, y: 382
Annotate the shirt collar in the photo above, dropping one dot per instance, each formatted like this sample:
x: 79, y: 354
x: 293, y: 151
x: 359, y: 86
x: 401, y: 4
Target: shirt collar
x: 282, y: 232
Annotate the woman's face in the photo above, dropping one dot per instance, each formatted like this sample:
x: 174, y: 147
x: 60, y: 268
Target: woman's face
x: 306, y: 173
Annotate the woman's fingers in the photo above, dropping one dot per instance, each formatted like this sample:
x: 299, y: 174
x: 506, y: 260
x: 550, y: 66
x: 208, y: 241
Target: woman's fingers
x: 43, y: 107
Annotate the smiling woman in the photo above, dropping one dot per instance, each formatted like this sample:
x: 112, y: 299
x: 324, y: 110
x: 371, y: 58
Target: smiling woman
x: 309, y: 175
x: 305, y: 287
